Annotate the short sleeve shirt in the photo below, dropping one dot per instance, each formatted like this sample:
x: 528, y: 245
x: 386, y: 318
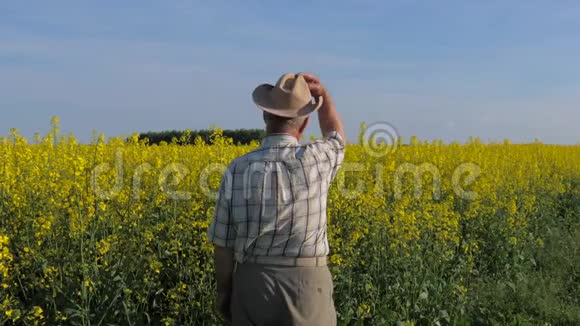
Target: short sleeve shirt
x: 272, y: 201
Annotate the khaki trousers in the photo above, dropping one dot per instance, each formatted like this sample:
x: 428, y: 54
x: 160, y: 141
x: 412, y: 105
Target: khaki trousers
x: 282, y: 295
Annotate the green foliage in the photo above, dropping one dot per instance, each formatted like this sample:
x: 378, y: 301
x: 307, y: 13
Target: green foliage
x: 531, y: 285
x: 238, y: 136
x: 69, y: 256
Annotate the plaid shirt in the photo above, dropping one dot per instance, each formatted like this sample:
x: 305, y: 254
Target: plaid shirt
x: 272, y: 201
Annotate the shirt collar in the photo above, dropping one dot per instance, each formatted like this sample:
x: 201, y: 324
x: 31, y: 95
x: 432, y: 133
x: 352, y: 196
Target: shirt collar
x: 273, y: 140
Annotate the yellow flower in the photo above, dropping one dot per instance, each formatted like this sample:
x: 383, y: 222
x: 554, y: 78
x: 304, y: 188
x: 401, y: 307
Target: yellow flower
x: 103, y: 247
x: 37, y: 312
x: 409, y: 202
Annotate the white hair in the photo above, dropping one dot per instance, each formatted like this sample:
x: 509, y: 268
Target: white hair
x: 281, y: 123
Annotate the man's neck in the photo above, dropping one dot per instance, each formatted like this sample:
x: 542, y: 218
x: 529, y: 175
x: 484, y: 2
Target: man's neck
x: 294, y: 134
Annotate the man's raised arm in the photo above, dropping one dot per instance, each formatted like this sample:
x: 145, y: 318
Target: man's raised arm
x: 327, y: 116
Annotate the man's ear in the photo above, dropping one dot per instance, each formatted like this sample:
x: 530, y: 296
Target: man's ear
x: 304, y: 124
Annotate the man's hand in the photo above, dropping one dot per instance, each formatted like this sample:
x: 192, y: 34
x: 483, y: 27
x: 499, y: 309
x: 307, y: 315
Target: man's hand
x: 224, y: 269
x: 316, y: 87
x: 224, y: 301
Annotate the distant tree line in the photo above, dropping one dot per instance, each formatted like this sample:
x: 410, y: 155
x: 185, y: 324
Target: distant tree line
x: 239, y: 136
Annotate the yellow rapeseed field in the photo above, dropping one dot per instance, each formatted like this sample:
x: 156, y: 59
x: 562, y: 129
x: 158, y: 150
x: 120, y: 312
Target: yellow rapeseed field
x: 113, y: 232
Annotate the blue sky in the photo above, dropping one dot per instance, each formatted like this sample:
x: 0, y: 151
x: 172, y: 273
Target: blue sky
x: 435, y: 69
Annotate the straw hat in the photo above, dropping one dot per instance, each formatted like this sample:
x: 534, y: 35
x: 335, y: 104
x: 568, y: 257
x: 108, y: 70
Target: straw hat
x: 289, y: 98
